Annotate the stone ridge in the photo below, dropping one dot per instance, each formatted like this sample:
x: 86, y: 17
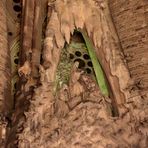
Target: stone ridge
x: 131, y: 21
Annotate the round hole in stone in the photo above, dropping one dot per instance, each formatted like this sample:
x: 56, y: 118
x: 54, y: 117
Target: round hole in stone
x: 19, y: 15
x: 78, y: 53
x: 16, y: 1
x: 10, y: 33
x: 86, y: 56
x: 41, y: 58
x: 88, y: 70
x: 90, y: 64
x: 15, y: 85
x: 17, y: 8
x: 16, y: 61
x: 18, y: 53
x: 81, y: 63
x: 71, y: 56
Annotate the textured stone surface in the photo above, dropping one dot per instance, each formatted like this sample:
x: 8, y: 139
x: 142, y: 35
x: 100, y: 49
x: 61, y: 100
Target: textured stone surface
x: 131, y: 21
x: 77, y: 116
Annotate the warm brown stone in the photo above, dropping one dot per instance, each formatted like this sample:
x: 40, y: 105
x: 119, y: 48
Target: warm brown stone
x: 131, y: 21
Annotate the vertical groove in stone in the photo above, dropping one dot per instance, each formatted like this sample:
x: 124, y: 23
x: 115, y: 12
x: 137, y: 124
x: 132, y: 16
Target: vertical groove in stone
x: 131, y: 21
x: 6, y: 102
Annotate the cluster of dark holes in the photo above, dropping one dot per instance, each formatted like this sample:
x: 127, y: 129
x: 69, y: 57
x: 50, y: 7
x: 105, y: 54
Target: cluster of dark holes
x: 17, y: 7
x: 81, y: 58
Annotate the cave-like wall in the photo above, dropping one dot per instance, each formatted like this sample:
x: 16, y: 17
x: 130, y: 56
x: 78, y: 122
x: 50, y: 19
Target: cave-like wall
x: 131, y: 21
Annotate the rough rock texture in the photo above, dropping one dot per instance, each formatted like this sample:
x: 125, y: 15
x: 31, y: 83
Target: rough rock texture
x: 77, y: 115
x: 5, y: 73
x: 131, y: 20
x: 81, y: 121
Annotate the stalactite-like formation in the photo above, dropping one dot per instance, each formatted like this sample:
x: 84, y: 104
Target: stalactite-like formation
x: 77, y: 114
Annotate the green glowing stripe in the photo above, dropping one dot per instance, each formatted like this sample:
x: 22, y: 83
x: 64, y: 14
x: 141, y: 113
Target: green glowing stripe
x: 97, y: 67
